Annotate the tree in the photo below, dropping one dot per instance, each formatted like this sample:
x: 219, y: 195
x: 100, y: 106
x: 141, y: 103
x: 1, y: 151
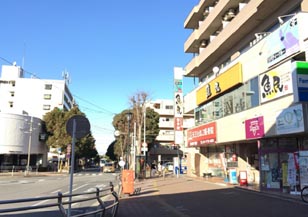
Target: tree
x: 120, y: 123
x: 55, y: 122
x: 110, y: 152
x: 138, y: 103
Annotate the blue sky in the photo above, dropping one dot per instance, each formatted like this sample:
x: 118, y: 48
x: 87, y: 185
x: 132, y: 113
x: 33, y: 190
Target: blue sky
x: 111, y: 49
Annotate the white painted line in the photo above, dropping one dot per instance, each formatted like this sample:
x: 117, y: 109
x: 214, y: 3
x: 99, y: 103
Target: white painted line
x: 56, y: 191
x: 41, y: 202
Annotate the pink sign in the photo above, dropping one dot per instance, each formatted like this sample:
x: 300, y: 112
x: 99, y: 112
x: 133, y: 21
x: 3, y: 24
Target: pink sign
x: 254, y: 128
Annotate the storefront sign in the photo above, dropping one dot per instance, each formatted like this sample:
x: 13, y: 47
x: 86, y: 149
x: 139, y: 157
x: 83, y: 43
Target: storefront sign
x: 202, y: 135
x: 302, y: 80
x: 283, y: 42
x: 290, y: 120
x: 254, y: 128
x: 276, y: 83
x: 222, y: 83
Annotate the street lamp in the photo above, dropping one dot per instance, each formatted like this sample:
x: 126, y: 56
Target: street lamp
x: 129, y: 117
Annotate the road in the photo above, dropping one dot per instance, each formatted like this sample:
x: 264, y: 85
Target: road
x: 19, y: 187
x: 189, y: 197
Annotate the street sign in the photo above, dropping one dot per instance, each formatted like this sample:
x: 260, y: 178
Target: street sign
x: 122, y: 163
x: 117, y: 133
x: 82, y: 125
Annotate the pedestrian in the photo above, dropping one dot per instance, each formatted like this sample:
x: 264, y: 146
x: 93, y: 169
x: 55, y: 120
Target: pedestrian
x: 153, y: 168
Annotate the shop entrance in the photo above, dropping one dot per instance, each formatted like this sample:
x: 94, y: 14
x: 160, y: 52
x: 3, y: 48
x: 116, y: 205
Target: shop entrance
x: 274, y: 155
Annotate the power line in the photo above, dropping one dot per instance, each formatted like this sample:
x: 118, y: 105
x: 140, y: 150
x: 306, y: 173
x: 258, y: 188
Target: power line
x: 101, y: 110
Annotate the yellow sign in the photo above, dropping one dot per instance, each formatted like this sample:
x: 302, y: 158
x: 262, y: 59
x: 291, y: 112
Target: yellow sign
x: 222, y: 83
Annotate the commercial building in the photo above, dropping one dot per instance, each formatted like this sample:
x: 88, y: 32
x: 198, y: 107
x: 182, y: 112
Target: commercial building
x: 23, y: 103
x: 251, y: 103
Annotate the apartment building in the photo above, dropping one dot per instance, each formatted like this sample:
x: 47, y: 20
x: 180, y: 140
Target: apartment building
x: 251, y: 103
x: 165, y: 109
x: 23, y: 103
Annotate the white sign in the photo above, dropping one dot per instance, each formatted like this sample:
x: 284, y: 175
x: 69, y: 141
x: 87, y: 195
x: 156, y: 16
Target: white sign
x: 122, y: 163
x: 290, y: 120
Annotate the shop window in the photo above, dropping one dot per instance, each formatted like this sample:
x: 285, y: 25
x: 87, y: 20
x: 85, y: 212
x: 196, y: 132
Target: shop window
x: 239, y: 99
x: 288, y: 143
x: 270, y: 144
x: 305, y: 144
x: 217, y: 109
x: 270, y: 171
x: 228, y: 104
x: 252, y: 93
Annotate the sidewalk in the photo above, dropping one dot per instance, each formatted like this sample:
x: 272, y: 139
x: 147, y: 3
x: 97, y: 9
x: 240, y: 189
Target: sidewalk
x: 164, y: 196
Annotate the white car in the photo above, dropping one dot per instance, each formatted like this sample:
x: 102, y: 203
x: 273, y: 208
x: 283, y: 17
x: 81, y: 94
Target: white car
x: 168, y: 166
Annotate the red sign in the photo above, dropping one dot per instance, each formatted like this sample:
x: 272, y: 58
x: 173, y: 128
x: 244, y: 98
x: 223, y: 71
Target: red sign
x: 202, y: 135
x: 178, y: 123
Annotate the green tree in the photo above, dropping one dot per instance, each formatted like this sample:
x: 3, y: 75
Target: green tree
x: 110, y: 152
x: 55, y: 122
x: 120, y: 123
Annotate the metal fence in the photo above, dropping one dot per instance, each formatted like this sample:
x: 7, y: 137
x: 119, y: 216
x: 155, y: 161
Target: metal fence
x: 104, y: 208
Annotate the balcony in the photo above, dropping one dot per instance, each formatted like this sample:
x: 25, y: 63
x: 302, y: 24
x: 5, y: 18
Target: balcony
x: 168, y: 137
x: 242, y: 27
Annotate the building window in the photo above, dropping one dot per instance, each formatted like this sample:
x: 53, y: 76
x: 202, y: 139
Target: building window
x: 11, y: 104
x: 12, y: 93
x: 48, y: 86
x: 46, y: 107
x: 47, y: 96
x: 169, y: 107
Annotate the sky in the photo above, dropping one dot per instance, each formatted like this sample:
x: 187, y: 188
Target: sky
x: 111, y: 50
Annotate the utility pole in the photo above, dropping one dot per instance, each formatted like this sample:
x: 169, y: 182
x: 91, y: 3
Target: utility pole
x: 29, y: 145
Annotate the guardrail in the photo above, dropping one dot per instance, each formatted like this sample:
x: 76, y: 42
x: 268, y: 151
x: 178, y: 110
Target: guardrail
x: 103, y: 209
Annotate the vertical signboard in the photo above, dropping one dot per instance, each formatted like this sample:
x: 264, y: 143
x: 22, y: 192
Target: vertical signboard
x: 178, y: 105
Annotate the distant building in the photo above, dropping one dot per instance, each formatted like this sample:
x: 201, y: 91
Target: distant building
x: 166, y: 137
x: 23, y: 103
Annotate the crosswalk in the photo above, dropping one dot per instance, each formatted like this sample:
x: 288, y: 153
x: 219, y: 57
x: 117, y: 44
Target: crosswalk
x: 92, y: 174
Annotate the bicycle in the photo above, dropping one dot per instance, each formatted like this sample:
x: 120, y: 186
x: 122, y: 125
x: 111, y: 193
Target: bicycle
x: 304, y: 194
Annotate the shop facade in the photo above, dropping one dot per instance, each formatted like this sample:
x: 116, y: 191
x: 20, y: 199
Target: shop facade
x: 252, y: 116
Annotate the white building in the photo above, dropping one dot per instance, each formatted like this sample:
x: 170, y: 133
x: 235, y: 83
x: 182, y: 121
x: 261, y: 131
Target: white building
x: 251, y: 105
x: 166, y: 136
x: 23, y: 103
x: 165, y: 109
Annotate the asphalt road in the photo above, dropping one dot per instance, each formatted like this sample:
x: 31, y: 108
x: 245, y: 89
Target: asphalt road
x: 19, y: 187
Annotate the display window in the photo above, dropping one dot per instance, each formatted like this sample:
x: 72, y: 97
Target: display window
x: 279, y: 163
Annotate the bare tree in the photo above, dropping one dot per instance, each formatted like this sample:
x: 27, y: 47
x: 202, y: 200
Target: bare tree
x: 138, y: 103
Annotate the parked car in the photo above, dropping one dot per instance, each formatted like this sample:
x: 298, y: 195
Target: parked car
x: 109, y: 168
x: 167, y: 166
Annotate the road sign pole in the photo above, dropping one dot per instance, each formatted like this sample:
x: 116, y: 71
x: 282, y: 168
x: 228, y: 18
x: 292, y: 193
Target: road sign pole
x: 72, y: 168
